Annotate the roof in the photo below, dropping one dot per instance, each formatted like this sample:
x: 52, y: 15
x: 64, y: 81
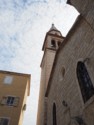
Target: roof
x: 19, y: 74
x: 53, y: 28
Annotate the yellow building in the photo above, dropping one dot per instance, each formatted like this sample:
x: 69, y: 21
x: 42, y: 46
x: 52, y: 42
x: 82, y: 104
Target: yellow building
x: 14, y: 89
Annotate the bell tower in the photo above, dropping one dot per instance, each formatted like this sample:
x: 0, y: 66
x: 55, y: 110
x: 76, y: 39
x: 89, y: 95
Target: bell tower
x: 52, y: 42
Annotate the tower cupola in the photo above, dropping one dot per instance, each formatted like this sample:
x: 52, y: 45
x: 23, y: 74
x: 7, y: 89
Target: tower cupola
x: 53, y: 30
x: 53, y: 39
x: 53, y: 27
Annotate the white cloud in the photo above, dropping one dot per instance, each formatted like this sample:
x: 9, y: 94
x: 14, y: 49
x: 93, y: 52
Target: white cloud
x: 23, y: 25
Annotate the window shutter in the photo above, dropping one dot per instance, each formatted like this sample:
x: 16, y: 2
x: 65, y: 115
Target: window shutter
x: 16, y: 101
x: 4, y: 100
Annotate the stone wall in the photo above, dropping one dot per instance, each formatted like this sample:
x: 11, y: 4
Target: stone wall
x: 86, y: 9
x: 79, y: 45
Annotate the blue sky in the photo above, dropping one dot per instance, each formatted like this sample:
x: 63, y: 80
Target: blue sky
x: 23, y: 25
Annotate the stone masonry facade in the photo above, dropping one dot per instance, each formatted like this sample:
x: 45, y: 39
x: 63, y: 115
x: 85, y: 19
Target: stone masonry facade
x: 65, y: 103
x: 65, y: 92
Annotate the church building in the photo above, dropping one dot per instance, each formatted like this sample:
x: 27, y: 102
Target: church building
x: 67, y: 72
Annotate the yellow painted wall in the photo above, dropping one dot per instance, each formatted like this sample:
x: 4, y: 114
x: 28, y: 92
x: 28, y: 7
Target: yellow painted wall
x: 18, y: 88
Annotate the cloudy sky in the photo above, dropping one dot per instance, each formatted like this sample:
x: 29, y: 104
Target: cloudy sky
x: 23, y: 25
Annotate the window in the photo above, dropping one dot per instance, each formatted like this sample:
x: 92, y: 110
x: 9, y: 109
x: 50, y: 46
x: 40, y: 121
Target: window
x: 54, y: 115
x: 84, y: 80
x: 8, y: 79
x: 10, y: 101
x: 62, y: 71
x: 59, y: 43
x: 4, y: 121
x: 53, y: 44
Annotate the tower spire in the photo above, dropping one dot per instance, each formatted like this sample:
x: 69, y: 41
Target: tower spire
x: 53, y: 27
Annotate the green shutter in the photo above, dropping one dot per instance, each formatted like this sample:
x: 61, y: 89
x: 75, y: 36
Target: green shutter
x: 4, y: 100
x: 16, y: 101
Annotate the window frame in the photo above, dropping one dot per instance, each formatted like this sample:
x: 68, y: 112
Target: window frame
x: 59, y: 43
x: 53, y: 43
x: 84, y: 80
x: 3, y: 118
x: 10, y: 100
x: 62, y: 72
x: 13, y: 102
x: 54, y: 114
x: 8, y: 79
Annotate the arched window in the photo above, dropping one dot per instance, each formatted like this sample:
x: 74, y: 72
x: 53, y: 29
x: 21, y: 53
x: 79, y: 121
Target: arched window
x: 54, y: 115
x: 53, y: 44
x: 59, y: 43
x: 84, y: 80
x: 62, y: 71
